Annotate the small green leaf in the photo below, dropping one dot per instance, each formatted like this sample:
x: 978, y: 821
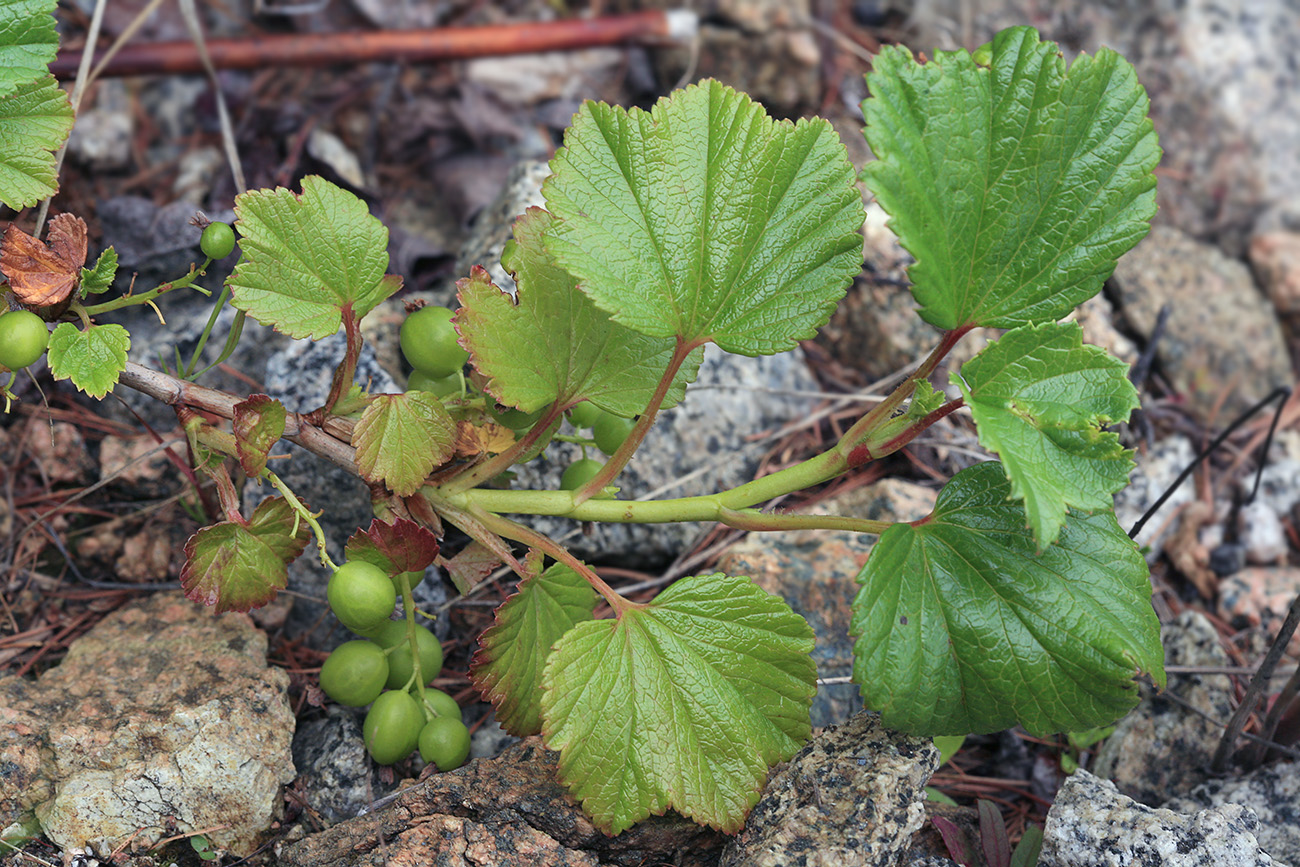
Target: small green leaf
x: 1016, y: 185
x: 683, y: 703
x: 961, y: 625
x: 925, y: 400
x: 512, y: 652
x: 93, y: 359
x: 237, y: 567
x: 258, y: 425
x: 554, y: 343
x: 401, y: 438
x: 35, y: 120
x: 28, y: 42
x: 307, y: 257
x: 704, y: 219
x: 1040, y: 398
x: 97, y: 280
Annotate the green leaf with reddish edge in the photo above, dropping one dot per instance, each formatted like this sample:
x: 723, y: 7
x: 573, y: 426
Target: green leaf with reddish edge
x: 1015, y: 183
x: 35, y: 121
x: 97, y: 280
x: 683, y: 703
x: 962, y: 625
x: 554, y: 343
x: 1040, y: 398
x: 93, y: 359
x: 704, y: 219
x: 307, y: 256
x: 236, y: 567
x: 402, y: 546
x: 401, y: 438
x: 258, y: 425
x: 28, y: 42
x: 507, y: 668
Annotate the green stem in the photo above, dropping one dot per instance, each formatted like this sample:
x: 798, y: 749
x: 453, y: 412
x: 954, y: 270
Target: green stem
x: 756, y: 521
x: 207, y: 331
x: 131, y: 299
x: 305, y: 514
x: 498, y: 464
x: 408, y: 606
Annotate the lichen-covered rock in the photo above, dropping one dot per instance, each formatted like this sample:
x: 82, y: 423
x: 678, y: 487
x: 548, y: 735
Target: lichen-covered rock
x: 1161, y: 746
x: 1092, y: 825
x: 164, y: 719
x: 1271, y: 792
x: 853, y: 796
x: 507, y: 810
x: 1223, y: 342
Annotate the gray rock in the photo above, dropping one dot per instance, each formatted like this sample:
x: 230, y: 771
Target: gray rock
x: 814, y: 571
x: 336, y: 777
x: 1092, y: 825
x: 1271, y: 792
x: 853, y: 796
x: 163, y: 716
x: 1156, y: 470
x: 1260, y: 530
x: 1161, y: 747
x: 1223, y: 340
x: 1279, y: 485
x: 101, y: 139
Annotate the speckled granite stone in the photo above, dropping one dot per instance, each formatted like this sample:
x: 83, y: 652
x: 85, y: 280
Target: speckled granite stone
x: 852, y: 797
x: 1271, y: 792
x: 1093, y: 825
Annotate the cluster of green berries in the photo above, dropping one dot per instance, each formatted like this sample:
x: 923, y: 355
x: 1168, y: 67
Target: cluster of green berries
x: 379, y: 671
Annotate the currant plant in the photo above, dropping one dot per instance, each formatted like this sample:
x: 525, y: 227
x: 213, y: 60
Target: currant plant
x: 1015, y: 181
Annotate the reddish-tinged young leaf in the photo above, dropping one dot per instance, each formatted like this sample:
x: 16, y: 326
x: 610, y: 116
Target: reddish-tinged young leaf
x: 512, y: 653
x: 401, y: 438
x: 955, y: 839
x: 258, y: 424
x: 236, y: 567
x: 402, y: 546
x: 993, y: 835
x: 471, y: 566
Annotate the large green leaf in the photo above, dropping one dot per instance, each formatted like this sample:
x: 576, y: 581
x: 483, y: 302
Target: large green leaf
x: 963, y: 626
x: 35, y: 119
x: 512, y: 652
x: 704, y: 219
x: 682, y: 703
x: 307, y: 257
x: 554, y: 343
x: 1040, y: 398
x: 1015, y: 184
x: 28, y: 42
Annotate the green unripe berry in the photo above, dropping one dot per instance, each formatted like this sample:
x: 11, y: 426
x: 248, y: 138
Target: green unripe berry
x: 441, y: 703
x: 584, y: 415
x: 361, y: 595
x: 579, y: 473
x: 355, y: 673
x: 392, y: 727
x: 515, y: 419
x: 438, y: 386
x: 444, y: 741
x: 611, y: 431
x: 429, y: 342
x: 217, y: 240
x: 23, y: 338
x: 400, y: 666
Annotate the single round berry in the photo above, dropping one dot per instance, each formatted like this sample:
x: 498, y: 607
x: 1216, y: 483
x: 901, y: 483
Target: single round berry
x: 361, y: 595
x: 429, y: 342
x: 610, y: 432
x: 444, y: 741
x: 438, y: 386
x: 23, y: 338
x: 441, y: 703
x: 515, y: 419
x: 355, y: 673
x: 217, y: 240
x: 392, y: 727
x: 584, y: 415
x: 579, y: 473
x: 400, y: 667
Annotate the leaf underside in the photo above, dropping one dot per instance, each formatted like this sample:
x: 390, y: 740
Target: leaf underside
x: 705, y: 220
x: 962, y: 626
x: 1016, y: 185
x: 684, y: 703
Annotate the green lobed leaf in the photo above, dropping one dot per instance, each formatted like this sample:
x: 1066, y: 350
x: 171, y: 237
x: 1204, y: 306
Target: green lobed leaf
x: 507, y: 669
x: 962, y: 626
x: 28, y: 42
x: 1040, y: 397
x: 684, y: 703
x: 305, y: 257
x: 258, y: 425
x: 35, y: 120
x: 1016, y: 185
x: 93, y: 359
x: 554, y: 343
x: 704, y: 219
x: 97, y: 280
x: 237, y: 567
x: 401, y: 438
